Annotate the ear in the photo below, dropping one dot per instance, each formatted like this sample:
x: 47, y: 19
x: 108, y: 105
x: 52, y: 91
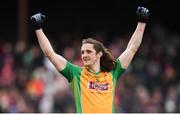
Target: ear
x: 100, y: 54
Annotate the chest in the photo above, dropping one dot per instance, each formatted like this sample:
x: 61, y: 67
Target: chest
x: 98, y: 83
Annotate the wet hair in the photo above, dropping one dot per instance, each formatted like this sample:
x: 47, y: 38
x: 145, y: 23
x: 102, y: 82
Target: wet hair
x: 107, y: 61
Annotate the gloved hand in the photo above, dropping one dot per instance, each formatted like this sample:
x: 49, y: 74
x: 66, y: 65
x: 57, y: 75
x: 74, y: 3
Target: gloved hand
x: 38, y: 20
x: 143, y: 14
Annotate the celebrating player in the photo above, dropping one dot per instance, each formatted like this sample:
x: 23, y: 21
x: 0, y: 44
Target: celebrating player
x: 93, y: 85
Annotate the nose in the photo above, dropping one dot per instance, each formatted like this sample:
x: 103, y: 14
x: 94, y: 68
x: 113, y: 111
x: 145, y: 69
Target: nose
x: 84, y: 55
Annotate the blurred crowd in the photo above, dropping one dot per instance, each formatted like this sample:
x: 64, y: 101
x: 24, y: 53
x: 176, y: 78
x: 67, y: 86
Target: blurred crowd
x: 30, y: 83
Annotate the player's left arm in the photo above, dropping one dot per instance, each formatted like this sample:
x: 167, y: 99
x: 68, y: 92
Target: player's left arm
x: 136, y: 39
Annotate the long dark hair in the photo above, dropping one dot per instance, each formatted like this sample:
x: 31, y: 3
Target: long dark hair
x: 107, y: 61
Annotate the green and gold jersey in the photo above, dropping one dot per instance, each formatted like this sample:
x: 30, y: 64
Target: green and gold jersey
x: 93, y: 92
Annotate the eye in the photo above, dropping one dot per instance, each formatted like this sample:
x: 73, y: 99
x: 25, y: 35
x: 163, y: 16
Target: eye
x: 89, y: 51
x: 82, y: 52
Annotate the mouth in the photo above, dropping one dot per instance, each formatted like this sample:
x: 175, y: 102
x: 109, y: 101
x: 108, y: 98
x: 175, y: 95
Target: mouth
x: 86, y: 59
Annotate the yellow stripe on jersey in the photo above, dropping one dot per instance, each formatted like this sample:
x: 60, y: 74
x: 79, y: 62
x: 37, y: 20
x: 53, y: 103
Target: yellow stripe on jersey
x: 96, y: 92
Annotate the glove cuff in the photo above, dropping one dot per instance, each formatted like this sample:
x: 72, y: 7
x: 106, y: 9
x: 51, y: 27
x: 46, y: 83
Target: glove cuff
x: 143, y: 20
x: 37, y: 26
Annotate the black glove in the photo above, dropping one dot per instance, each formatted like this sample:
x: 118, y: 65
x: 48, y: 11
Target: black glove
x: 38, y: 21
x: 143, y: 14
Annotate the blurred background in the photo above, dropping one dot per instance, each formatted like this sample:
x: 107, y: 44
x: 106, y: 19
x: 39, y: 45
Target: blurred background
x: 30, y: 83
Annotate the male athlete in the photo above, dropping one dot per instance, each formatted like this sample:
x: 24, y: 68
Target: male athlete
x: 93, y: 84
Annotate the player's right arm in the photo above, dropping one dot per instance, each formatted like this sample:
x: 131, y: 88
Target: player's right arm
x: 45, y: 45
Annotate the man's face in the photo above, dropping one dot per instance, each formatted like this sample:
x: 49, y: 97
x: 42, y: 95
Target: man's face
x: 89, y: 55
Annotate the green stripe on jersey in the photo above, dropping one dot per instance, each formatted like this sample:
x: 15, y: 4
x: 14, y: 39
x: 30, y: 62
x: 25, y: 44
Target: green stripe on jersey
x: 72, y: 73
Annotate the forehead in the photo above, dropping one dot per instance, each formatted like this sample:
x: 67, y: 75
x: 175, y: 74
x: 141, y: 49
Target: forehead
x: 87, y: 47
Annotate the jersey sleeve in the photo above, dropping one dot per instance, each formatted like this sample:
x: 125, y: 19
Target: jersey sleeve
x: 118, y: 71
x: 70, y: 71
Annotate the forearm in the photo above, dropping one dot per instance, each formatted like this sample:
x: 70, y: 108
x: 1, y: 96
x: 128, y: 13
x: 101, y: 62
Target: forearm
x: 58, y: 61
x: 44, y: 43
x: 136, y: 39
x: 137, y: 36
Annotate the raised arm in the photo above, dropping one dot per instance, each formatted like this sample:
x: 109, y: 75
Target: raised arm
x: 58, y: 61
x: 136, y: 39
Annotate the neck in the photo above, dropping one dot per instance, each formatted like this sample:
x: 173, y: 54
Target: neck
x: 95, y: 68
